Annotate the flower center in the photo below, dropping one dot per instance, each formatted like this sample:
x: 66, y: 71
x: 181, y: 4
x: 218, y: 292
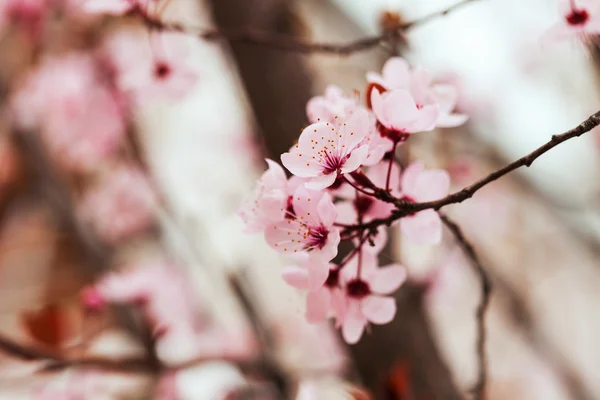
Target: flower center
x: 289, y: 209
x: 363, y: 204
x: 392, y: 134
x: 331, y: 162
x: 410, y: 200
x: 358, y: 288
x: 577, y: 17
x: 317, y: 237
x: 162, y: 70
x: 333, y: 278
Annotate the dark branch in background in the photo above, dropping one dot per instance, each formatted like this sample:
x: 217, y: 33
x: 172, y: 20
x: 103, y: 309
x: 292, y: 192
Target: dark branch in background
x: 405, y: 208
x: 292, y: 44
x: 486, y: 291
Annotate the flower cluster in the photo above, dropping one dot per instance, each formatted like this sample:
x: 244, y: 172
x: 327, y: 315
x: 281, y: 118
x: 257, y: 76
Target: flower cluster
x: 345, y: 176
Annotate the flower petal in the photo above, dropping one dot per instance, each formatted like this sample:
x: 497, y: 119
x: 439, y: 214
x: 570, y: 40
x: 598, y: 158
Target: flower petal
x: 296, y: 276
x: 378, y: 309
x: 387, y: 279
x: 321, y: 182
x: 425, y: 227
x: 317, y: 275
x: 355, y: 160
x: 317, y: 306
x: 326, y: 210
x: 432, y: 185
x: 354, y: 323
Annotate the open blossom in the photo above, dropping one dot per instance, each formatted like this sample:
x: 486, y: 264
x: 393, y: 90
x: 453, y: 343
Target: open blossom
x: 325, y: 151
x: 365, y: 294
x: 269, y: 202
x: 399, y: 115
x: 420, y: 185
x: 161, y: 67
x: 80, y: 119
x: 579, y: 18
x: 311, y: 229
x: 398, y: 74
x: 325, y: 297
x: 121, y: 205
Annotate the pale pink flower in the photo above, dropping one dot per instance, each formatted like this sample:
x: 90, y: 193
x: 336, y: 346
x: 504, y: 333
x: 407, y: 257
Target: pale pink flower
x: 80, y: 119
x: 332, y: 107
x: 121, y: 205
x: 398, y: 74
x: 419, y: 185
x: 579, y: 18
x: 365, y: 294
x: 325, y: 297
x: 325, y: 151
x: 311, y: 229
x: 152, y: 69
x: 268, y: 204
x: 399, y: 115
x: 368, y: 207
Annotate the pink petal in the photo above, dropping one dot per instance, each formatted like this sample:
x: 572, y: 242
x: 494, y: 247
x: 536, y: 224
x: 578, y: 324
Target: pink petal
x: 286, y: 236
x: 378, y: 175
x: 326, y: 210
x: 387, y: 279
x: 451, y: 120
x: 330, y: 250
x: 379, y: 241
x: 316, y: 109
x: 275, y: 175
x: 301, y: 166
x: 296, y: 277
x: 299, y: 161
x: 425, y: 120
x: 317, y: 306
x: 410, y: 178
x: 432, y: 185
x: 305, y: 204
x: 356, y: 159
x: 346, y: 213
x: 354, y: 130
x: 321, y: 182
x: 354, y: 324
x: 379, y: 309
x: 396, y: 73
x: 378, y: 107
x: 338, y: 305
x: 317, y: 275
x: 446, y: 97
x: 400, y: 109
x: 425, y: 227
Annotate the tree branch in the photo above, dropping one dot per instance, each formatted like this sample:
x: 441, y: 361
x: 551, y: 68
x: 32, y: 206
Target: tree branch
x: 486, y: 291
x: 293, y: 44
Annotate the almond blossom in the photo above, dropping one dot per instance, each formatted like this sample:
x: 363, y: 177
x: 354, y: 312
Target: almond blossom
x: 325, y: 151
x: 311, y: 229
x: 579, y: 18
x: 80, y: 119
x: 419, y: 185
x: 399, y: 116
x: 365, y: 294
x: 269, y: 201
x: 121, y: 205
x: 398, y: 74
x: 161, y: 67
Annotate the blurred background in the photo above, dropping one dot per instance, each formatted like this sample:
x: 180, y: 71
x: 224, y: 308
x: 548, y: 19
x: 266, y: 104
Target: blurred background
x: 537, y: 231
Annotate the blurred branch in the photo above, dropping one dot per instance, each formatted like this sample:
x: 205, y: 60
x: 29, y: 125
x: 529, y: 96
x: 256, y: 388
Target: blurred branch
x: 292, y: 44
x: 486, y: 290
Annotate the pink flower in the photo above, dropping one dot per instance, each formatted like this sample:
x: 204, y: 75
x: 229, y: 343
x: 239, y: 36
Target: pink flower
x: 269, y: 202
x: 153, y: 70
x: 399, y: 115
x: 311, y: 229
x: 418, y: 185
x: 364, y: 294
x: 325, y: 152
x: 81, y: 119
x: 120, y: 206
x: 333, y: 107
x: 397, y: 74
x: 580, y: 18
x: 325, y: 297
x: 368, y: 207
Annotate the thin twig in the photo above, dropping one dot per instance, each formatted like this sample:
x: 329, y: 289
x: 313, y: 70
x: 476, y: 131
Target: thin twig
x: 486, y: 291
x: 293, y: 44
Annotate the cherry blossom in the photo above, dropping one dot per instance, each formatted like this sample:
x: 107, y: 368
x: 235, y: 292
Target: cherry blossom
x: 121, y: 205
x: 399, y: 116
x: 80, y: 119
x: 268, y: 204
x: 419, y: 185
x: 579, y: 18
x: 398, y: 74
x: 311, y: 229
x: 365, y: 294
x: 325, y: 297
x: 332, y: 107
x: 159, y: 68
x: 325, y: 152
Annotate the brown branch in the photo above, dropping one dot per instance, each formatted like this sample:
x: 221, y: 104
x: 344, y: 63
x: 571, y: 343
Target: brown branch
x: 293, y: 44
x: 405, y: 208
x: 486, y: 291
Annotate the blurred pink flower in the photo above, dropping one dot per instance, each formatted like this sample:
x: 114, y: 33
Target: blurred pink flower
x: 419, y: 185
x: 398, y: 74
x: 121, y: 205
x: 312, y: 228
x: 159, y: 68
x: 325, y: 152
x: 79, y: 118
x: 579, y: 18
x: 364, y: 294
x: 26, y: 14
x: 399, y: 115
x: 269, y: 202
